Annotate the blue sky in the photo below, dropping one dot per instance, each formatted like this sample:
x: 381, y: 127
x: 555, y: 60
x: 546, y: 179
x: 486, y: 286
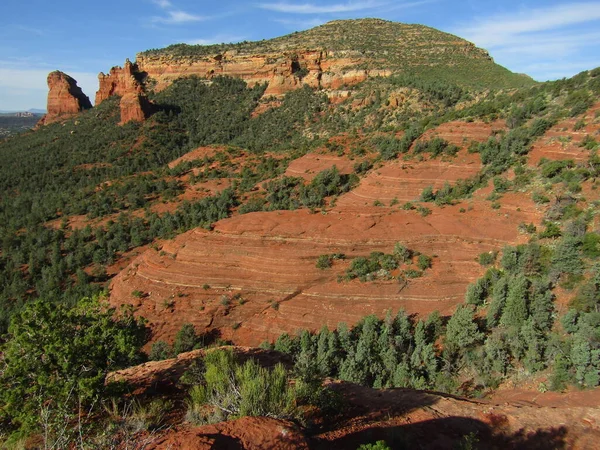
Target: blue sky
x: 546, y: 39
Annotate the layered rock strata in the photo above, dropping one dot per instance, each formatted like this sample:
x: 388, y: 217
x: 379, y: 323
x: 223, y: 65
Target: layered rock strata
x: 126, y: 83
x: 65, y: 98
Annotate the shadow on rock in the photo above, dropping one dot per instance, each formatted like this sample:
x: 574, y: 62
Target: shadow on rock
x: 449, y: 433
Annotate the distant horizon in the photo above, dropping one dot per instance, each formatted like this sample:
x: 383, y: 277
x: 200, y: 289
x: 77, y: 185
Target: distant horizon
x: 31, y: 110
x: 545, y: 40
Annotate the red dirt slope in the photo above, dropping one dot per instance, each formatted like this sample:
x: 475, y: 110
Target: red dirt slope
x: 404, y: 418
x: 269, y: 258
x: 247, y: 433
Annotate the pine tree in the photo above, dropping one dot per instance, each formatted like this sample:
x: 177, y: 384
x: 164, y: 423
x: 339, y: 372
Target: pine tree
x: 542, y: 305
x: 496, y: 356
x: 403, y: 332
x: 499, y: 294
x: 476, y: 293
x: 567, y: 258
x: 515, y: 312
x: 285, y: 344
x: 462, y: 332
x: 534, y: 341
x: 433, y: 324
x: 323, y: 362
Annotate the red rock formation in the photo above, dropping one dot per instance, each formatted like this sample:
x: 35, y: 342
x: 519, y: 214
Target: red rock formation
x: 119, y: 81
x: 134, y: 107
x: 281, y: 71
x: 124, y: 82
x: 65, y: 98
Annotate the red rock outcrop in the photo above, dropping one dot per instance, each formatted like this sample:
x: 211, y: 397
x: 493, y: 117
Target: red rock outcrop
x: 125, y: 83
x: 65, y: 98
x: 282, y: 72
x: 119, y: 81
x: 134, y: 107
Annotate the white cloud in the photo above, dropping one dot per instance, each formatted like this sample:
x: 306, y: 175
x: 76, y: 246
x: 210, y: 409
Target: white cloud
x: 163, y: 3
x: 178, y: 17
x: 309, y: 8
x: 502, y: 29
x: 217, y: 39
x: 30, y: 30
x: 540, y: 41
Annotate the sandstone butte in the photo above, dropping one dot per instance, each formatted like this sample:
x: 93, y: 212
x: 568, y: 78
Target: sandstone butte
x: 126, y: 83
x: 297, y: 60
x: 329, y: 71
x: 65, y: 98
x: 326, y: 70
x: 282, y: 71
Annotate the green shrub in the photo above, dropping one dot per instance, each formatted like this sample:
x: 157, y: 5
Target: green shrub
x: 186, y: 339
x: 591, y: 245
x: 540, y: 198
x: 528, y: 228
x: 552, y: 169
x: 579, y: 125
x: 427, y: 195
x: 402, y: 253
x: 160, y: 350
x: 379, y: 445
x: 324, y: 262
x: 552, y: 231
x: 424, y: 211
x: 363, y: 167
x: 487, y: 258
x: 589, y: 142
x: 411, y: 273
x: 56, y: 357
x: 231, y: 390
x: 501, y: 184
x: 436, y: 146
x: 424, y: 262
x: 252, y: 205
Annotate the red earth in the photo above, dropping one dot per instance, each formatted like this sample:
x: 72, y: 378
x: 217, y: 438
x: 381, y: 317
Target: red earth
x: 254, y: 276
x: 401, y: 417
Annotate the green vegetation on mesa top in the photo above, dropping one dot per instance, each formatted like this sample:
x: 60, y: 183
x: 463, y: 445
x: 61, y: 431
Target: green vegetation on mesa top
x: 410, y: 48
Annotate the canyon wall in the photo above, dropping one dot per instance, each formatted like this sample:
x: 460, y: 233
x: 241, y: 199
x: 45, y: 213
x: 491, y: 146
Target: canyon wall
x: 283, y: 72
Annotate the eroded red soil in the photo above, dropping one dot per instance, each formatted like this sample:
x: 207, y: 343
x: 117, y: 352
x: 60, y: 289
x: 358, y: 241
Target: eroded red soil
x: 401, y: 417
x: 255, y: 277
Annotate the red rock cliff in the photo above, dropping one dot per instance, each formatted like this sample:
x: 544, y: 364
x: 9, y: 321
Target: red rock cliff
x: 119, y: 81
x: 125, y: 83
x: 282, y: 71
x: 134, y: 107
x: 65, y: 98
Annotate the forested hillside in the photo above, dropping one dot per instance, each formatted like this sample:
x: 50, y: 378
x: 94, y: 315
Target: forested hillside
x: 433, y: 233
